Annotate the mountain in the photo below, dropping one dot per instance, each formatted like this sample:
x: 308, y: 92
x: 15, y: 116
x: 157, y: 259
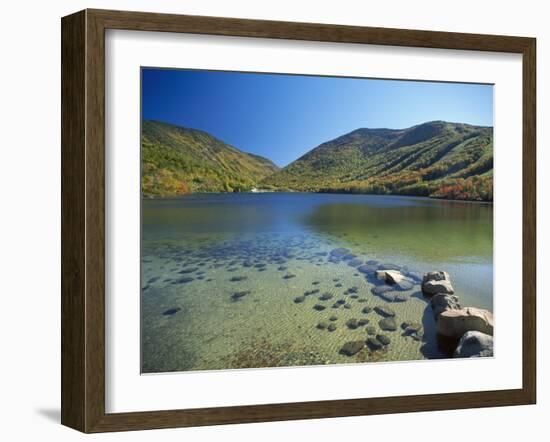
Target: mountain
x: 177, y: 160
x: 437, y: 159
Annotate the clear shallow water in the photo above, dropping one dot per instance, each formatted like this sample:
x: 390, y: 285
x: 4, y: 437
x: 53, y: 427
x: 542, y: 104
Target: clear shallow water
x: 199, y: 251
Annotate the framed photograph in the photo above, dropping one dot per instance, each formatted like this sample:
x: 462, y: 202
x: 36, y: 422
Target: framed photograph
x: 270, y: 220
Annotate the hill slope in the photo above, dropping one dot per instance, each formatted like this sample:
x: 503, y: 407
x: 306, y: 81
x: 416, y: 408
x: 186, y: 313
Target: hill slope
x: 177, y: 160
x: 438, y: 159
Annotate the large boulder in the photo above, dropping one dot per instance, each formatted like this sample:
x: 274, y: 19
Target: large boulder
x: 442, y: 302
x: 454, y: 323
x: 474, y: 344
x: 437, y: 282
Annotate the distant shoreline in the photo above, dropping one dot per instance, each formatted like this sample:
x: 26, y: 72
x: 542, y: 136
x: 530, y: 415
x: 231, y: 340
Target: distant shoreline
x: 167, y: 197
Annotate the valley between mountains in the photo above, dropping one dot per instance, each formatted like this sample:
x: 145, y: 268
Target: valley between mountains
x: 435, y: 159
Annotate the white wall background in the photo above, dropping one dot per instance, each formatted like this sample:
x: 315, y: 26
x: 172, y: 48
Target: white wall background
x: 30, y: 215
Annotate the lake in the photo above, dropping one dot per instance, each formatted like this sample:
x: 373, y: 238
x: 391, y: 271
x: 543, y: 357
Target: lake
x: 233, y: 280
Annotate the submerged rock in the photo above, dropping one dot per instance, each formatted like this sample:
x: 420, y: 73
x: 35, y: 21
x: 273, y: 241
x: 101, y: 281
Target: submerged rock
x: 289, y: 276
x: 325, y: 297
x: 374, y: 344
x: 415, y: 276
x: 238, y: 278
x: 299, y: 299
x: 322, y: 325
x: 351, y: 348
x: 183, y: 280
x: 412, y: 329
x: 355, y: 262
x: 188, y: 270
x: 383, y: 339
x: 367, y: 269
x: 389, y: 276
x: 311, y: 292
x: 395, y: 279
x: 454, y: 323
x: 331, y: 327
x: 319, y: 307
x: 381, y: 289
x: 352, y: 323
x: 405, y: 285
x: 384, y: 311
x: 371, y: 330
x: 171, y: 311
x: 366, y: 310
x: 333, y: 318
x: 474, y: 344
x: 238, y: 295
x: 387, y: 324
x: 339, y: 253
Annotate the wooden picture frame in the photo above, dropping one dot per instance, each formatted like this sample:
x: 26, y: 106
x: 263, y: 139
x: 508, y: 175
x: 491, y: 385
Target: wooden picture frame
x: 83, y: 220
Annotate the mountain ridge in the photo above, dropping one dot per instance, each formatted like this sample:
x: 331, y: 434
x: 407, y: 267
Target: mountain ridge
x: 177, y: 160
x: 437, y: 158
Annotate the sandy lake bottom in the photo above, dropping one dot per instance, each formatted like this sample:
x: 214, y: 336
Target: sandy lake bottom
x: 240, y: 280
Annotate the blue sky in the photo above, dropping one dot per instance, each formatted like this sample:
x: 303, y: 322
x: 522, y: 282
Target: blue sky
x: 281, y: 117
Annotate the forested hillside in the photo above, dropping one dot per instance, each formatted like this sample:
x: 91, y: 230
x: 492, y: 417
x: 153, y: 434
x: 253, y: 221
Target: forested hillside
x: 437, y: 159
x: 177, y: 160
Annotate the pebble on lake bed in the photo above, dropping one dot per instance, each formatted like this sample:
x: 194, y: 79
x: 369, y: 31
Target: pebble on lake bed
x: 371, y: 330
x: 383, y: 339
x: 238, y: 295
x: 384, y: 311
x: 183, y: 280
x: 387, y: 324
x: 351, y: 348
x: 238, y: 278
x: 373, y: 343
